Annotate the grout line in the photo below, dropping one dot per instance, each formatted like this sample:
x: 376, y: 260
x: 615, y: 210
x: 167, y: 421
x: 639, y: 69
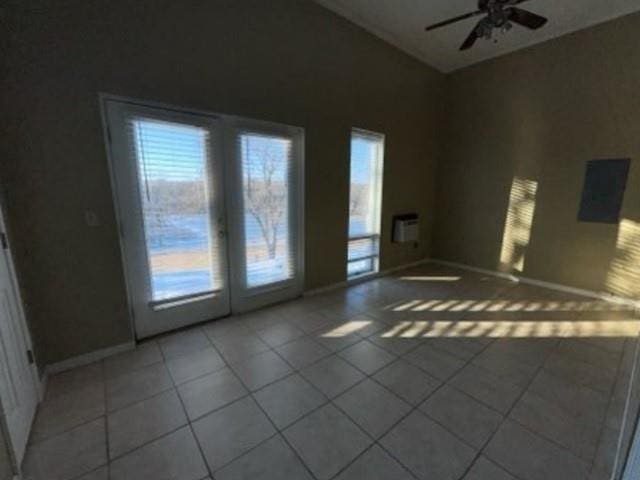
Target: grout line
x: 330, y: 400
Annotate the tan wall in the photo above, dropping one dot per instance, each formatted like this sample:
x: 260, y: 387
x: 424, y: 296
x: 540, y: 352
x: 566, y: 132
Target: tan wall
x: 540, y: 115
x: 283, y: 60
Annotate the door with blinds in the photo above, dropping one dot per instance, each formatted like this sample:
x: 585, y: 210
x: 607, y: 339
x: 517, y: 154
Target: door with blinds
x: 265, y: 201
x: 168, y: 178
x: 210, y: 214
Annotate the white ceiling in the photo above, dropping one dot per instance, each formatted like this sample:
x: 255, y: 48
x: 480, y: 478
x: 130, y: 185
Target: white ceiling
x: 402, y: 23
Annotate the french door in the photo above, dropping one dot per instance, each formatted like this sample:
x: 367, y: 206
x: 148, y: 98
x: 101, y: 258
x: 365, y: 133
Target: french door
x: 18, y: 389
x: 210, y: 211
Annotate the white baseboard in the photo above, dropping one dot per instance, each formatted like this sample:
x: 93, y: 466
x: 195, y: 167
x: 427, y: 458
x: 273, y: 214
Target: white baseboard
x: 87, y: 358
x: 607, y: 297
x: 363, y: 278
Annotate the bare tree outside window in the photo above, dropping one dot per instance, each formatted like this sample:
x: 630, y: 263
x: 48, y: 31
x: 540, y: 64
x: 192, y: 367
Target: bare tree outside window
x: 266, y: 191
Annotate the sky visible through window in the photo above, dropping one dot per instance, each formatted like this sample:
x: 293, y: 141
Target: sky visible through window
x: 363, y: 203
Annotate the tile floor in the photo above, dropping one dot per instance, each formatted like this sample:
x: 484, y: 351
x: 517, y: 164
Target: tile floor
x: 433, y: 373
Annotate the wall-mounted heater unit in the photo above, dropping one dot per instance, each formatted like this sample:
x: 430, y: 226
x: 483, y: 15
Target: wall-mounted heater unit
x: 406, y: 228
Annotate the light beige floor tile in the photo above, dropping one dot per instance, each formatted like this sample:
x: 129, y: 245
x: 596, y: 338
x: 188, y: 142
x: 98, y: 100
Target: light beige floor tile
x: 372, y: 407
x: 396, y: 345
x: 239, y: 347
x: 462, y: 415
x: 302, y: 352
x: 101, y: 473
x: 183, y: 342
x: 133, y: 387
x: 194, y: 365
x: 336, y: 336
x: 581, y: 373
x: 408, y: 382
x: 261, y: 370
x: 68, y: 455
x: 577, y: 433
x: 289, y: 399
x: 439, y: 364
x: 573, y: 398
x: 531, y: 457
x: 143, y: 422
x: 375, y: 464
x: 279, y: 334
x: 73, y: 381
x: 327, y: 441
x: 507, y: 367
x: 367, y: 357
x: 332, y: 376
x: 311, y: 322
x: 484, y: 469
x: 64, y: 412
x: 484, y: 386
x: 463, y: 348
x: 145, y: 354
x: 272, y: 460
x: 211, y: 392
x: 175, y: 456
x: 427, y: 449
x: 231, y: 431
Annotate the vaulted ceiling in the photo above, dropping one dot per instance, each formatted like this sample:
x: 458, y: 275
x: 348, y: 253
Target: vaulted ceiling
x: 402, y: 23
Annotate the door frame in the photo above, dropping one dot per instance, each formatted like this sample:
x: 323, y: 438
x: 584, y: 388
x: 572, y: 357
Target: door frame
x: 152, y: 318
x: 242, y: 298
x: 228, y: 123
x: 25, y: 333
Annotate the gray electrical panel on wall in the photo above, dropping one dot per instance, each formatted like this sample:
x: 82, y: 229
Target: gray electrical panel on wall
x: 603, y: 192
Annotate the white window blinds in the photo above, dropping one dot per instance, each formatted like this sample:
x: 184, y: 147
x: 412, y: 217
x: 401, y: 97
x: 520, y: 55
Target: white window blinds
x: 267, y: 169
x: 175, y: 188
x: 365, y: 202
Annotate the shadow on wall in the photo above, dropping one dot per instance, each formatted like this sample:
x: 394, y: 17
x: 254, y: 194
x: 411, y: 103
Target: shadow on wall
x: 517, y: 228
x: 623, y: 278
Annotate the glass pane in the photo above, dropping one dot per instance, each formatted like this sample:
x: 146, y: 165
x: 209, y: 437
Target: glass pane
x: 365, y: 184
x: 175, y: 192
x: 364, y: 202
x: 266, y: 164
x: 363, y: 247
x: 359, y: 267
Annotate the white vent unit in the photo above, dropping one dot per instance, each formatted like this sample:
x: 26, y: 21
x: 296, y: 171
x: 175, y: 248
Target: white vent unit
x: 406, y: 228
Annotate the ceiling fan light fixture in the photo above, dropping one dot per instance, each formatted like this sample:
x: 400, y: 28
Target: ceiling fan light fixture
x: 499, y: 15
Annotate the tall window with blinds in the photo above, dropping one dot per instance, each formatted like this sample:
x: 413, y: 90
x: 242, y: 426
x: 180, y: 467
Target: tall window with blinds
x: 365, y: 202
x: 175, y: 189
x: 266, y: 164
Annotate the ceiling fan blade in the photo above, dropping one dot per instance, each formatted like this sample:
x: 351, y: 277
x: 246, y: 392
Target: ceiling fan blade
x: 525, y: 18
x: 470, y: 40
x: 454, y: 20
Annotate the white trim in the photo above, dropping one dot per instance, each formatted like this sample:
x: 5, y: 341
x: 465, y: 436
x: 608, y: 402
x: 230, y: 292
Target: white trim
x: 87, y: 358
x: 363, y: 278
x: 607, y: 297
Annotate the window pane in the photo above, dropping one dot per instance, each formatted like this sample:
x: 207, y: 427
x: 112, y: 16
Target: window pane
x: 175, y: 191
x: 266, y: 164
x: 363, y: 247
x: 365, y: 200
x: 359, y: 267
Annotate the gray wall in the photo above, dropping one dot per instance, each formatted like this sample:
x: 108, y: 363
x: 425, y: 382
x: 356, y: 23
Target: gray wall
x: 288, y: 61
x: 540, y: 114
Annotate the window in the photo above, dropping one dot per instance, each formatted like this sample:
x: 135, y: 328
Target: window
x: 266, y: 171
x: 365, y: 202
x: 175, y: 193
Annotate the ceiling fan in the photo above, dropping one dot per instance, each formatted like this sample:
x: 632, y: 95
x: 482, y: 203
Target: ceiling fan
x: 500, y: 14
